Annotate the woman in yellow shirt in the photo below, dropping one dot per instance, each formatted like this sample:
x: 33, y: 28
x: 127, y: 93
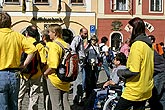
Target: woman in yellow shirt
x: 58, y: 89
x: 140, y: 68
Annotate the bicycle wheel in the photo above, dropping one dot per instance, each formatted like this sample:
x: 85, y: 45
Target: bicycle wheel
x: 110, y: 103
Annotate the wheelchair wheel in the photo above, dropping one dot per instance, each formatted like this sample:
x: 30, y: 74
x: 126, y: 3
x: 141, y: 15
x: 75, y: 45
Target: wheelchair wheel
x: 110, y: 103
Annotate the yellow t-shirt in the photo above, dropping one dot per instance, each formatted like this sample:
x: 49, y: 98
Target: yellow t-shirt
x: 42, y: 52
x: 12, y: 44
x: 53, y: 60
x: 141, y: 59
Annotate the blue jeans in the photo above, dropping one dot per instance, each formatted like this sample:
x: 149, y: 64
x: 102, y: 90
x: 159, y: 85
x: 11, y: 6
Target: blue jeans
x: 106, y: 67
x: 101, y: 95
x: 9, y: 88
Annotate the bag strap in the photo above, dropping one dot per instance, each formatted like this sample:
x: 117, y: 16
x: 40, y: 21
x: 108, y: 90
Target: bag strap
x: 60, y: 45
x: 64, y: 49
x: 94, y: 50
x: 101, y: 47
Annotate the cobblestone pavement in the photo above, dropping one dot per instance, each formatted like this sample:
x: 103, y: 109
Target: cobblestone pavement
x: 102, y: 78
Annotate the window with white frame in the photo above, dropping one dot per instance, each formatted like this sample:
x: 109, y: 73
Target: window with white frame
x: 120, y: 5
x: 77, y: 2
x: 12, y: 2
x: 156, y: 5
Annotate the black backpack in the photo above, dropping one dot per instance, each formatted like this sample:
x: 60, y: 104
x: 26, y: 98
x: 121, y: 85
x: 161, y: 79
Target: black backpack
x: 32, y: 66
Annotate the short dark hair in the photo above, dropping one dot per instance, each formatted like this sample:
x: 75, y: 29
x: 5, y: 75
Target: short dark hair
x: 82, y: 29
x: 104, y: 39
x: 122, y: 58
x: 5, y: 20
x: 67, y: 35
x: 161, y: 43
x: 152, y: 37
x: 33, y: 32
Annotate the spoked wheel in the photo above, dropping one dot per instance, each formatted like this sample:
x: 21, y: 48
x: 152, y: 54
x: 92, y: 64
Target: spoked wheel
x: 110, y: 103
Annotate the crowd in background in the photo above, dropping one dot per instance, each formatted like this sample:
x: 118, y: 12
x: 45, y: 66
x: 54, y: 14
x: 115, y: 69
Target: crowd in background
x: 139, y: 63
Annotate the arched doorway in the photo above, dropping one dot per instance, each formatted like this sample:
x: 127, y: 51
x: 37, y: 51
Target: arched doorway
x: 116, y: 39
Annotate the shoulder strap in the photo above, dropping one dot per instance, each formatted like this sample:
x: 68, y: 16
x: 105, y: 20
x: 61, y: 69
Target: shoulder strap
x: 61, y: 45
x: 102, y: 46
x: 64, y: 51
x: 94, y: 50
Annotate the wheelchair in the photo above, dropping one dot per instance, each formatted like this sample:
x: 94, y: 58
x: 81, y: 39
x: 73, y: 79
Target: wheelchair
x: 114, y: 93
x: 107, y: 98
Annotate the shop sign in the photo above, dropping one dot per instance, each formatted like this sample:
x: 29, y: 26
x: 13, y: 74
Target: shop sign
x: 149, y: 26
x: 47, y: 20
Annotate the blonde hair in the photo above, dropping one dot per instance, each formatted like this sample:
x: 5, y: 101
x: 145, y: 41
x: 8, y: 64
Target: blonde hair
x: 56, y: 28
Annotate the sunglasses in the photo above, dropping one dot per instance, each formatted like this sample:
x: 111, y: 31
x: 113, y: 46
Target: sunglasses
x: 93, y: 39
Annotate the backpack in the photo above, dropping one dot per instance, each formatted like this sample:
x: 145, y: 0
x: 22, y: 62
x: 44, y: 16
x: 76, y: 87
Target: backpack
x: 67, y: 70
x: 31, y: 68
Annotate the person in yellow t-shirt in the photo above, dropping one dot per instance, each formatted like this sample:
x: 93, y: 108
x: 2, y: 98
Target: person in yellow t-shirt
x: 58, y: 89
x: 140, y: 69
x: 12, y: 44
x: 30, y: 82
x: 45, y: 41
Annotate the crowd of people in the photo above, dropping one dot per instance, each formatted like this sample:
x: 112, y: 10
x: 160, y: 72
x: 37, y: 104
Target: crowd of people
x: 140, y: 64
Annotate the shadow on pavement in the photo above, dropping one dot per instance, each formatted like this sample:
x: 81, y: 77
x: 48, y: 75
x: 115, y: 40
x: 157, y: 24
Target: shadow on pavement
x: 85, y: 102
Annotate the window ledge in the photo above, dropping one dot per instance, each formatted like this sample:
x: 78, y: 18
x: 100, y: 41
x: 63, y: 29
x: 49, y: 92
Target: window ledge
x: 155, y: 11
x: 77, y: 4
x: 12, y: 3
x: 41, y: 3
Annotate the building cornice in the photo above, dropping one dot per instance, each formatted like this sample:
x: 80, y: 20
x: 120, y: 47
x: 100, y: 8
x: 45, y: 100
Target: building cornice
x: 101, y: 16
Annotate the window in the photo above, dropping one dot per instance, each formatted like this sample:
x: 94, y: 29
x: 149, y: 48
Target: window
x: 12, y: 2
x: 120, y: 5
x: 156, y: 5
x: 41, y: 1
x: 77, y: 2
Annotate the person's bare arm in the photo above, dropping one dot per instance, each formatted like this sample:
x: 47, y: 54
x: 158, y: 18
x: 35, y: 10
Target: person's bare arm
x: 110, y: 82
x: 49, y: 71
x: 28, y: 59
x: 106, y: 53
